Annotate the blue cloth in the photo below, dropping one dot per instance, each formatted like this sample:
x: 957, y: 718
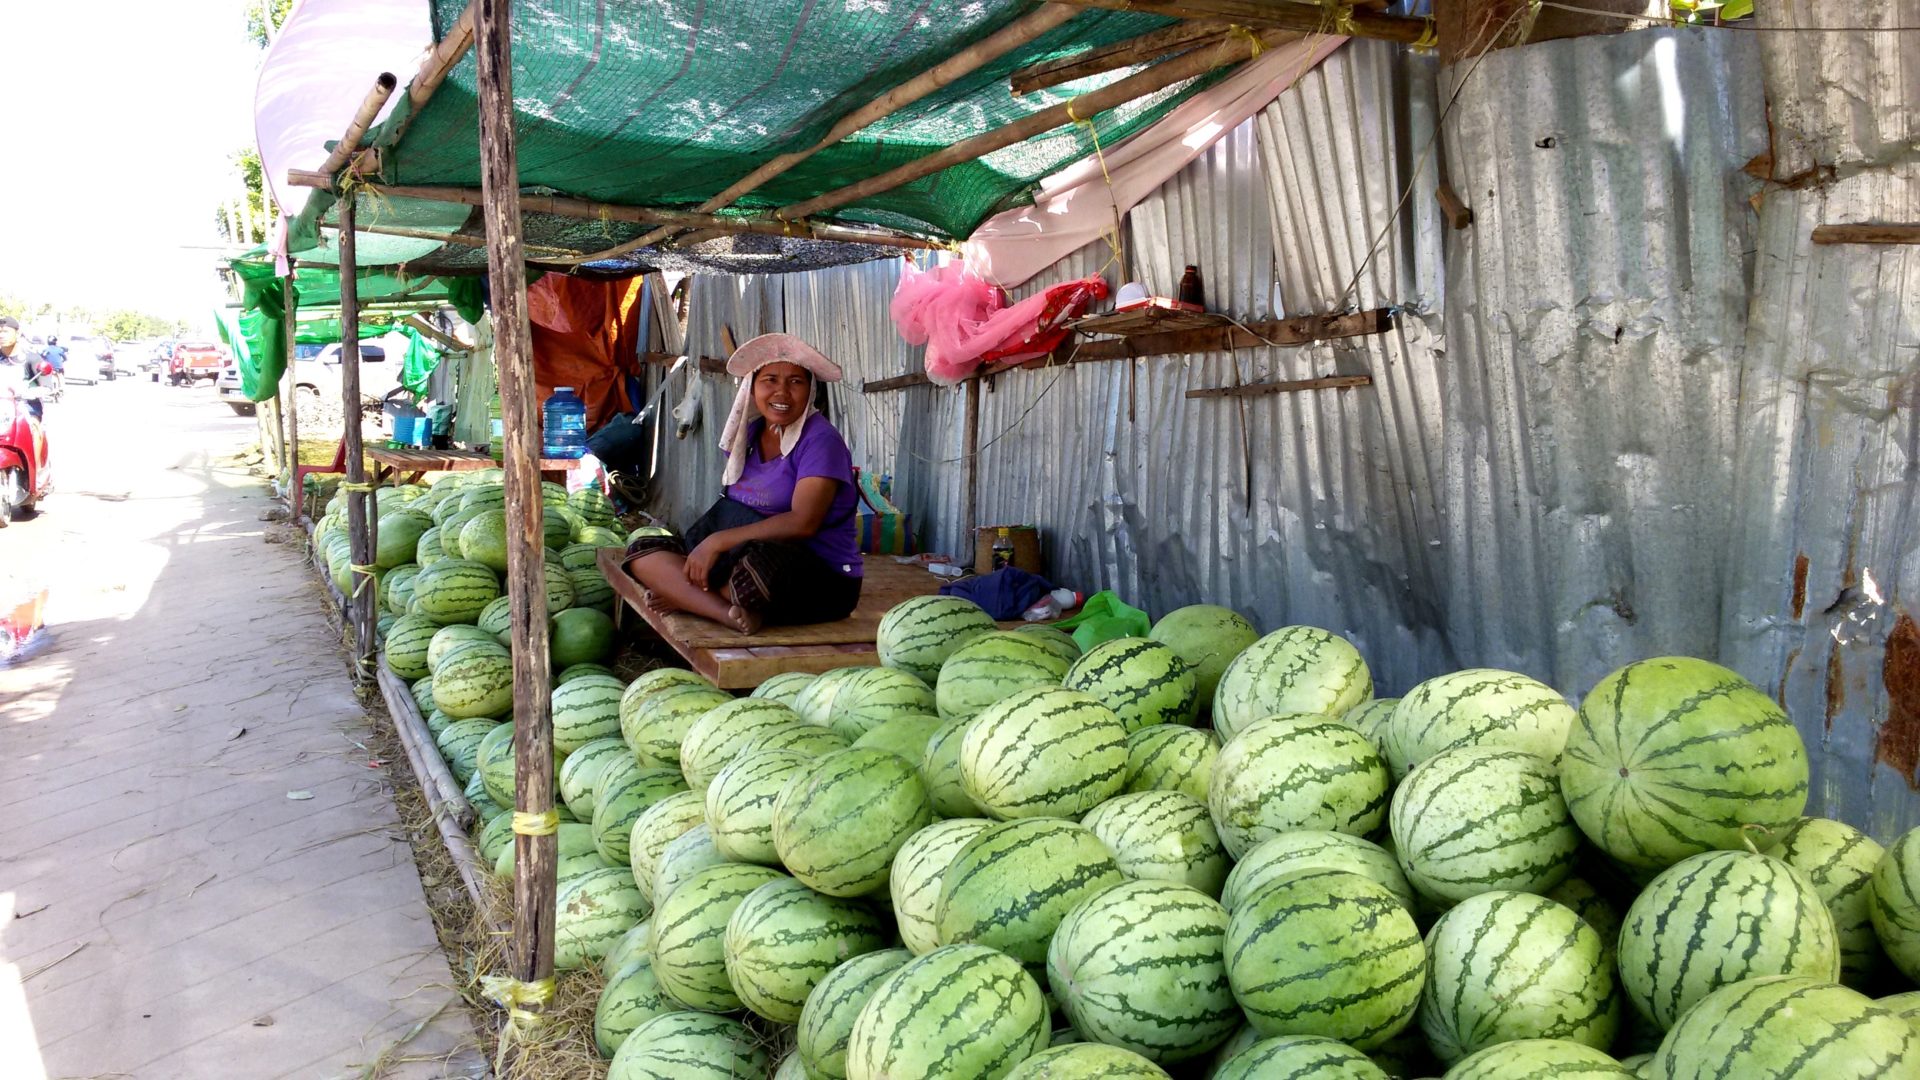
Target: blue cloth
x: 1004, y: 594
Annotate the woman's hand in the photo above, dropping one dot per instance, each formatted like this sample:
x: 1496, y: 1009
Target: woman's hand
x: 700, y: 559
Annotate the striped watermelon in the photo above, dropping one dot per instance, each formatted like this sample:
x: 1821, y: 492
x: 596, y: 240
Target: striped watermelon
x: 461, y: 644
x: 637, y: 942
x: 398, y: 537
x: 437, y: 721
x: 422, y: 690
x: 590, y: 588
x: 826, y: 1020
x: 1839, y: 861
x: 1594, y: 909
x: 799, y: 738
x: 427, y: 551
x: 684, y: 856
x: 590, y: 913
x: 1527, y: 1059
x: 454, y: 591
x: 918, y: 634
x: 483, y: 497
x: 1087, y: 1061
x: 940, y: 771
x: 918, y: 869
x: 494, y: 762
x: 1786, y: 1026
x: 718, y: 735
x: 407, y: 642
x: 556, y: 527
x: 1308, y: 849
x: 1299, y: 771
x: 784, y: 687
x: 992, y: 668
x: 1042, y: 752
x: 1717, y: 918
x: 630, y: 998
x: 1905, y: 1005
x: 484, y: 539
x: 874, y: 696
x: 474, y: 684
x: 963, y: 1012
x: 484, y: 808
x: 1325, y: 952
x: 1241, y: 1042
x: 497, y: 619
x: 1295, y: 669
x: 581, y: 771
x: 1673, y: 756
x: 585, y: 709
x: 658, y: 826
x: 1208, y: 638
x: 580, y: 557
x: 396, y: 588
x: 689, y: 932
x: 1171, y: 757
x: 1141, y: 965
x: 1298, y: 1057
x: 1503, y: 966
x: 660, y: 678
x: 814, y: 701
x: 1478, y: 818
x: 1010, y: 886
x: 784, y: 938
x: 1143, y: 682
x: 690, y: 1046
x: 623, y: 791
x: 1894, y: 903
x: 1477, y: 707
x: 559, y: 591
x: 740, y: 803
x: 837, y: 825
x: 1371, y: 718
x: 791, y: 1068
x: 574, y: 671
x: 460, y: 746
x: 1162, y: 836
x: 494, y: 834
x: 654, y: 728
x: 906, y: 736
x: 1052, y: 637
x: 577, y: 855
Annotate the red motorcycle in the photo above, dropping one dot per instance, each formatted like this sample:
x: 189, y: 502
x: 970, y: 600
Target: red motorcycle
x: 24, y: 476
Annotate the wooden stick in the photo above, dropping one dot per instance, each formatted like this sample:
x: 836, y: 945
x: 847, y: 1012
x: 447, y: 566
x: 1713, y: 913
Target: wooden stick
x: 434, y: 333
x: 444, y: 793
x: 357, y: 129
x: 295, y: 495
x: 970, y: 450
x: 535, y: 857
x: 1279, y: 15
x: 1143, y: 49
x: 1458, y: 214
x: 1332, y: 382
x: 1233, y: 50
x: 1866, y: 234
x: 359, y: 517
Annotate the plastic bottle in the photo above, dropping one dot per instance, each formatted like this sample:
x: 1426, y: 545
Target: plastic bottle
x: 563, y: 425
x: 1053, y: 605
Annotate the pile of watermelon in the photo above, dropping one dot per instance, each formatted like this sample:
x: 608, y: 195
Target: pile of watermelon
x: 1203, y: 853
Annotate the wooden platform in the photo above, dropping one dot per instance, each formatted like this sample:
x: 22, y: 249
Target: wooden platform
x: 736, y: 661
x: 409, y: 463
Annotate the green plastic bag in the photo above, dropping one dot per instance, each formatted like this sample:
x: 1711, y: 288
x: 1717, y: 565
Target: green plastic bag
x: 1104, y: 617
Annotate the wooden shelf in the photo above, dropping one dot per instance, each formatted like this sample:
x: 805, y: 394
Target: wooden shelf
x: 1148, y: 320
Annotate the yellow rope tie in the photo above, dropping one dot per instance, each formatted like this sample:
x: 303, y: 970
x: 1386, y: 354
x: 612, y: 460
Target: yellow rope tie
x: 526, y: 824
x: 1254, y: 45
x: 1429, y: 37
x: 369, y: 487
x: 515, y: 996
x: 1343, y: 21
x: 1100, y: 155
x: 364, y: 569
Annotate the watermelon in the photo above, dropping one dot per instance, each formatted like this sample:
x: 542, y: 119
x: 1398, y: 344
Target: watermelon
x: 1372, y: 718
x: 799, y: 738
x: 556, y: 528
x: 590, y: 913
x: 1673, y: 756
x: 906, y: 736
x: 1504, y: 966
x: 689, y: 1046
x: 991, y: 668
x: 497, y: 619
x: 1162, y: 836
x: 1314, y: 849
x: 963, y: 1012
x: 684, y: 856
x: 580, y: 557
x: 1241, y: 1041
x: 576, y: 851
x: 630, y: 998
x: 739, y: 803
x: 407, y: 643
x: 576, y: 635
x: 590, y: 589
x: 560, y: 597
x: 495, y: 833
x: 1010, y: 885
x: 422, y: 691
x: 1894, y: 903
x: 1325, y: 952
x: 1478, y: 818
x: 494, y: 762
x: 636, y: 942
x: 1171, y: 757
x: 940, y: 770
x: 917, y: 635
x: 814, y: 701
x: 1087, y: 1061
x: 784, y: 938
x: 427, y: 551
x: 474, y: 684
x: 437, y: 721
x: 689, y: 931
x: 1143, y: 682
x: 574, y: 671
x: 718, y: 735
x: 783, y: 688
x: 656, y: 680
x: 837, y: 825
x: 1298, y: 1057
x: 873, y: 696
x: 1207, y: 638
x: 658, y: 826
x: 655, y: 725
x: 918, y: 869
x: 1141, y: 965
x: 484, y: 808
x: 1477, y: 707
x: 484, y: 539
x: 791, y: 1068
x: 1052, y: 637
x: 1295, y: 669
x: 483, y: 496
x: 826, y: 1020
x: 397, y: 537
x: 1042, y: 752
x: 1788, y: 1027
x: 1716, y: 918
x: 1528, y: 1059
x: 1594, y: 909
x: 581, y: 771
x: 461, y: 646
x: 584, y: 709
x: 599, y: 537
x: 620, y: 795
x: 396, y: 588
x: 1839, y: 861
x: 1295, y: 771
x: 1906, y: 1006
x: 592, y: 505
x: 460, y: 745
x: 447, y: 637
x: 454, y: 591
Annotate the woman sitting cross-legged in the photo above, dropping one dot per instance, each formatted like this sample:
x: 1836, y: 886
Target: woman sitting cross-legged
x: 781, y: 546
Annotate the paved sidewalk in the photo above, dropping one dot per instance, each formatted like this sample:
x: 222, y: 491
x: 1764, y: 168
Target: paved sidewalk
x: 201, y: 876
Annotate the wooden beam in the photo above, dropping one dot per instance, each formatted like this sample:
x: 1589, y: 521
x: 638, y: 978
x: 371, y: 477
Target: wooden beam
x: 1280, y: 15
x: 1096, y: 61
x: 1872, y: 233
x: 1458, y: 214
x: 357, y: 129
x: 1158, y: 77
x: 897, y: 382
x: 360, y: 523
x: 434, y: 333
x: 535, y: 856
x: 1259, y: 389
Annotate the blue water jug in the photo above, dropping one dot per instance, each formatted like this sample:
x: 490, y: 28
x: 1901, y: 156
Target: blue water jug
x: 564, y: 425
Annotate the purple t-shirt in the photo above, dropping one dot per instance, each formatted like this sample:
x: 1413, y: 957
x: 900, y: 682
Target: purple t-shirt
x: 767, y: 486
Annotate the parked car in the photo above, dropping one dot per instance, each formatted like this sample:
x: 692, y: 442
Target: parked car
x: 89, y: 354
x: 193, y: 360
x: 229, y: 389
x: 381, y: 361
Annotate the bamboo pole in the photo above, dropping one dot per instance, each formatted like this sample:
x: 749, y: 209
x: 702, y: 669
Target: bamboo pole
x: 357, y: 129
x: 970, y: 449
x: 535, y: 856
x: 1342, y: 19
x: 359, y: 515
x: 295, y: 494
x: 1233, y: 50
x: 1147, y: 47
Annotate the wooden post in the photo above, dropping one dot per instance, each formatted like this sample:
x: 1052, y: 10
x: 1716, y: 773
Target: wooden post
x: 359, y: 519
x: 970, y: 449
x: 535, y: 857
x: 290, y: 384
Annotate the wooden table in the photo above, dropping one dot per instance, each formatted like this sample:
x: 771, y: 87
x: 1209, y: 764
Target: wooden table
x: 410, y: 464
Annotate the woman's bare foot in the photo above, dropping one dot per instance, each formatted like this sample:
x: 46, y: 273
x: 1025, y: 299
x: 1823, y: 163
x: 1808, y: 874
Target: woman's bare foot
x: 657, y: 603
x: 743, y: 620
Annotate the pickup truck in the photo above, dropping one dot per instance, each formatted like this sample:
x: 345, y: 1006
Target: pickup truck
x: 193, y: 360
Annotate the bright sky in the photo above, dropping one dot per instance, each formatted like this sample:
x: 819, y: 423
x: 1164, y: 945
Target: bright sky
x: 122, y: 117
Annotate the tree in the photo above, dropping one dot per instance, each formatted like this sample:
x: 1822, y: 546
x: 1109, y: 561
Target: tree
x: 259, y: 30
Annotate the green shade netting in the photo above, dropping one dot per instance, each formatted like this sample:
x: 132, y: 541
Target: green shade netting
x: 667, y: 102
x: 326, y: 331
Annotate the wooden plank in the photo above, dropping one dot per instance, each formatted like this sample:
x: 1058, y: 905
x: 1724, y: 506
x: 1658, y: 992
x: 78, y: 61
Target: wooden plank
x: 1332, y: 382
x: 1299, y: 330
x: 360, y: 521
x: 1152, y: 319
x: 1870, y: 233
x: 897, y: 382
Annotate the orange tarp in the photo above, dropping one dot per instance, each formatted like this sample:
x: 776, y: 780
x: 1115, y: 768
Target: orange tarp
x: 586, y: 334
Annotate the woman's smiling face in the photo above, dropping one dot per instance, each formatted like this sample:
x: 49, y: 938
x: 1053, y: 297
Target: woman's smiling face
x: 780, y: 392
